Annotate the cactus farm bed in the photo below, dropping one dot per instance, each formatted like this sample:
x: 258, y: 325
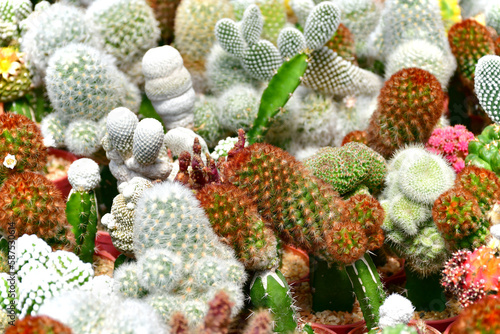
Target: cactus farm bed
x: 249, y: 166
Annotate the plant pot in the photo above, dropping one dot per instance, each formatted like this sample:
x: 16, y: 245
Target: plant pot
x: 303, y: 255
x: 321, y: 329
x: 448, y: 329
x: 104, y: 246
x: 62, y: 183
x: 362, y: 329
x: 441, y: 325
x: 339, y: 329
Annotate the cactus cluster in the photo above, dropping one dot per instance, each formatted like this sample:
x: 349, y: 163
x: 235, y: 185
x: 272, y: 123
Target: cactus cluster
x: 483, y: 149
x: 478, y: 317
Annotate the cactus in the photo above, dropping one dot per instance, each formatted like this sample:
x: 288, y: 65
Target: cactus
x: 12, y: 12
x: 206, y: 122
x: 458, y: 217
x: 168, y: 86
x: 479, y: 317
x: 238, y: 108
x: 453, y: 143
x: 349, y: 166
x: 164, y: 11
x: 54, y: 28
x: 343, y: 44
x: 82, y: 137
x: 472, y: 275
x: 81, y: 208
x: 410, y: 105
x: 21, y: 138
x: 73, y: 88
x: 274, y: 15
x: 38, y: 324
x: 147, y: 141
x: 469, y: 41
x: 357, y: 136
x: 120, y: 221
x: 483, y: 184
x: 421, y: 54
x: 33, y: 205
x: 493, y: 17
x: 15, y: 81
x: 271, y: 291
x: 53, y: 128
x: 482, y: 149
x: 486, y: 85
x: 396, y: 310
x: 127, y: 278
x: 160, y: 270
x: 128, y: 28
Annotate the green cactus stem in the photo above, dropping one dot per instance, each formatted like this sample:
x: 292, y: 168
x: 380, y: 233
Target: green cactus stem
x: 325, y: 296
x: 271, y: 291
x: 368, y: 288
x: 281, y: 87
x: 82, y: 215
x: 433, y: 299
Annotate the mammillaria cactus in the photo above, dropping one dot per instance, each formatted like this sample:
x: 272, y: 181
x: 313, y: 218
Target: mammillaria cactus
x: 487, y: 86
x: 472, y: 275
x: 128, y: 28
x: 479, y: 317
x: 238, y: 108
x: 15, y: 78
x: 53, y: 127
x: 206, y: 122
x: 33, y: 205
x: 20, y: 139
x: 12, y: 13
x: 348, y: 167
x: 82, y: 137
x: 483, y: 184
x: 168, y: 86
x: 395, y: 310
x: 410, y: 105
x: 38, y: 324
x: 453, y: 143
x: 469, y: 41
x: 120, y: 221
x: 54, y: 28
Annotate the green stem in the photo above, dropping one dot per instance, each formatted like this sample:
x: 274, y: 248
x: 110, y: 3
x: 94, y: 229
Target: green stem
x: 277, y: 94
x: 433, y: 299
x: 368, y: 288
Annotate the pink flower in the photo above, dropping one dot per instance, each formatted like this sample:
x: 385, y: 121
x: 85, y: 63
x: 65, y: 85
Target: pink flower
x: 459, y: 165
x: 449, y: 147
x: 463, y: 146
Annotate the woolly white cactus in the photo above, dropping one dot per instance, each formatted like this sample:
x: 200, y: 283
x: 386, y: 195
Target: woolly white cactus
x: 82, y: 137
x: 487, y: 85
x: 168, y: 86
x: 121, y: 124
x: 238, y: 108
x: 395, y: 310
x: 53, y: 128
x: 84, y: 175
x: 182, y: 139
x: 148, y: 141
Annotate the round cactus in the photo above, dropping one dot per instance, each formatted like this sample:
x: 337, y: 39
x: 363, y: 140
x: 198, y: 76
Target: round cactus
x: 120, y: 126
x: 483, y: 184
x: 148, y: 141
x: 35, y: 206
x: 82, y: 137
x: 83, y: 83
x: 343, y: 44
x: 427, y: 251
x: 483, y: 149
x: 53, y: 128
x: 21, y: 140
x: 408, y: 215
x: 128, y: 28
x: 127, y: 281
x: 84, y: 175
x: 487, y: 86
x: 238, y: 108
x: 161, y: 270
x: 38, y: 324
x: 206, y: 122
x: 395, y: 310
x: 52, y: 29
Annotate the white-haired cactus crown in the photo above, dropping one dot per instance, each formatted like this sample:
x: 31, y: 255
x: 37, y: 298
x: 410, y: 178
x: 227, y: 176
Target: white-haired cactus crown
x: 182, y: 139
x: 120, y: 125
x: 290, y: 42
x: 84, y: 174
x: 148, y: 140
x: 395, y: 310
x: 228, y: 34
x: 82, y: 137
x: 161, y: 270
x: 487, y: 85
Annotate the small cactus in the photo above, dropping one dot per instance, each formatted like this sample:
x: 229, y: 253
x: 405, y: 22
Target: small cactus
x: 483, y: 149
x: 82, y: 137
x: 479, y: 317
x: 15, y: 81
x: 487, y: 86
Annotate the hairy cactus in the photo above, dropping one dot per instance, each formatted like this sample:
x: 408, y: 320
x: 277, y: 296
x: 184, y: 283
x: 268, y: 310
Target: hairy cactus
x: 274, y: 15
x: 128, y: 28
x: 181, y: 139
x: 20, y: 139
x: 410, y: 105
x: 238, y: 108
x: 458, y: 217
x: 12, y: 13
x: 421, y: 54
x: 169, y: 86
x: 206, y: 122
x: 120, y: 221
x: 38, y: 324
x: 82, y: 137
x: 472, y: 275
x: 270, y: 290
x: 348, y: 167
x: 33, y: 205
x: 469, y: 41
x: 483, y: 184
x: 357, y: 136
x: 54, y: 28
x: 53, y: 127
x: 453, y: 143
x: 487, y: 86
x: 15, y: 81
x: 395, y: 310
x: 478, y: 317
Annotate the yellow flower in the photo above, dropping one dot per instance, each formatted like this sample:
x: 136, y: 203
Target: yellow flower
x: 9, y: 62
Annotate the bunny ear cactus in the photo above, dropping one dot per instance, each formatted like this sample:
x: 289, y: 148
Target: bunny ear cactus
x: 410, y: 105
x: 470, y: 41
x: 487, y: 86
x: 81, y: 208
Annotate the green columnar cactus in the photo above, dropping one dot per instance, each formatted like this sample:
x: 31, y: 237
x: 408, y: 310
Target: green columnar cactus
x: 83, y: 83
x: 54, y: 28
x: 483, y: 149
x: 410, y: 105
x: 128, y: 28
x: 348, y: 167
x: 81, y: 208
x: 22, y: 143
x: 483, y: 184
x: 458, y: 217
x: 486, y: 85
x: 271, y: 291
x: 469, y: 41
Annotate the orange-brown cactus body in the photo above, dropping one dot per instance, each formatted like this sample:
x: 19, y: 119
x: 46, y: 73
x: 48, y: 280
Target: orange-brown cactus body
x: 38, y: 325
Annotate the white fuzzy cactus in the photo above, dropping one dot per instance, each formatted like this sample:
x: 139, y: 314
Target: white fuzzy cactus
x: 395, y: 310
x: 121, y: 124
x: 84, y: 175
x: 168, y: 86
x: 182, y: 139
x: 148, y: 141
